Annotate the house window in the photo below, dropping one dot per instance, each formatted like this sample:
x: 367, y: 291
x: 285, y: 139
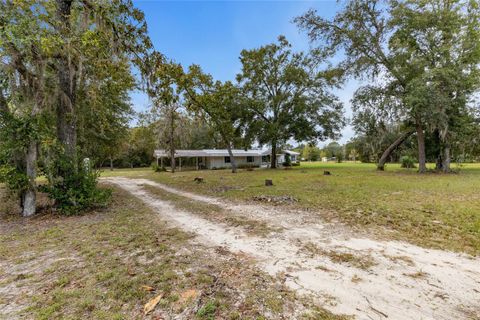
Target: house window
x: 250, y: 159
x: 227, y: 159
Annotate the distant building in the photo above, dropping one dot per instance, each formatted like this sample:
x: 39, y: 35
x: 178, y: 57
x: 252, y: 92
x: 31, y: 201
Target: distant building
x: 220, y: 159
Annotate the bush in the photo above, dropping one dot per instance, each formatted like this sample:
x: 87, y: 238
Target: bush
x: 288, y: 161
x: 339, y: 157
x: 158, y: 168
x: 407, y: 162
x: 75, y: 191
x: 246, y: 166
x: 14, y: 180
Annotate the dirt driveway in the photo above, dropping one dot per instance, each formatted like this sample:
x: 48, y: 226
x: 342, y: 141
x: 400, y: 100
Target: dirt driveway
x: 352, y: 275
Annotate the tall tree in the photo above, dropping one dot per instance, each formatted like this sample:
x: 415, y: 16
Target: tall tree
x: 166, y: 94
x: 334, y: 149
x: 362, y: 29
x: 410, y: 46
x: 219, y: 104
x: 442, y: 38
x: 117, y: 31
x: 377, y: 114
x: 44, y: 47
x: 311, y: 152
x: 288, y: 96
x: 24, y: 94
x: 67, y: 67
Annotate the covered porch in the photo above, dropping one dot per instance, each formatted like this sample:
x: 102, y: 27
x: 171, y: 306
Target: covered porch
x: 191, y: 159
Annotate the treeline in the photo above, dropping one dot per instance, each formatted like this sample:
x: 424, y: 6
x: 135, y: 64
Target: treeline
x: 369, y: 149
x: 137, y: 146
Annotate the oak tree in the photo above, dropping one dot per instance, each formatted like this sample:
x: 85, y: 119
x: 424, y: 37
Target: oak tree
x: 288, y: 96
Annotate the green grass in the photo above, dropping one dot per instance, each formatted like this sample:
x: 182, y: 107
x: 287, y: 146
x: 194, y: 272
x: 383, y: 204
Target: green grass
x: 95, y: 266
x: 432, y: 210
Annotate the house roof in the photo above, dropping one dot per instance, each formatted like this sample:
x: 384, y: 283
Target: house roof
x: 292, y: 153
x: 211, y: 153
x: 217, y: 153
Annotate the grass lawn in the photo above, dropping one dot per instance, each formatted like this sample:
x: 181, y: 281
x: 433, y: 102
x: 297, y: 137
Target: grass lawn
x: 107, y: 264
x: 433, y: 210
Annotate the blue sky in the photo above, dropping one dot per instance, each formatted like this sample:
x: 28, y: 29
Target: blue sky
x: 212, y: 34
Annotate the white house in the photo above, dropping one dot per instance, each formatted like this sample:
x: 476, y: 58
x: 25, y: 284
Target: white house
x: 294, y: 156
x: 220, y: 158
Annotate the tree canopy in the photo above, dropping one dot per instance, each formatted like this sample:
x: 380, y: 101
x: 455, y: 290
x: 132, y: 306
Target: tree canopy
x: 421, y: 55
x: 67, y: 73
x: 288, y: 96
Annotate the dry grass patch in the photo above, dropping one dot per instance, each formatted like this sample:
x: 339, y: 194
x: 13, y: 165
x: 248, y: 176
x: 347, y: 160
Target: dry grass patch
x: 401, y: 259
x: 417, y: 275
x: 362, y: 261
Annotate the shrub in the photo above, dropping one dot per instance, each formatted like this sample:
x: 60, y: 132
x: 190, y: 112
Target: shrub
x: 75, y: 191
x: 288, y: 161
x: 16, y: 133
x: 339, y: 157
x: 158, y: 168
x: 15, y: 180
x: 247, y: 166
x: 407, y: 162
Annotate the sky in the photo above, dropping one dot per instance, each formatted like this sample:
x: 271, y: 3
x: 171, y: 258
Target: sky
x: 213, y: 33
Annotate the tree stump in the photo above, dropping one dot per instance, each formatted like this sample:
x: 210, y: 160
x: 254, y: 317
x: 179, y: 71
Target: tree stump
x: 327, y: 173
x: 268, y: 182
x: 198, y: 179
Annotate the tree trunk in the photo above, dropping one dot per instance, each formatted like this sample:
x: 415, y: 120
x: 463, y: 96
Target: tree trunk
x: 66, y: 117
x: 439, y: 163
x: 111, y: 164
x: 28, y: 197
x: 273, y: 157
x: 438, y: 143
x: 391, y: 148
x: 3, y: 103
x: 232, y: 158
x: 446, y: 159
x: 172, y: 142
x: 422, y: 162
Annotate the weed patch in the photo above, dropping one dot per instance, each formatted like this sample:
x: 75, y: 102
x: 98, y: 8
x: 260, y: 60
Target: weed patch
x: 363, y: 262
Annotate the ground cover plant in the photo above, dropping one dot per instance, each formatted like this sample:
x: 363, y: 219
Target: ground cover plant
x: 434, y: 210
